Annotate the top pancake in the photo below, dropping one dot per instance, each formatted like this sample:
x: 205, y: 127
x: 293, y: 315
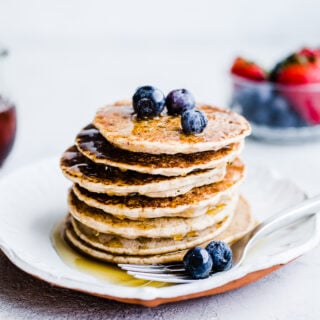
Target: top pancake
x: 118, y: 124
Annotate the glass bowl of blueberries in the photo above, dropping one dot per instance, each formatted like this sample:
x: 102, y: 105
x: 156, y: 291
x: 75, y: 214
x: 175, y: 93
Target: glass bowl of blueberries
x: 282, y: 105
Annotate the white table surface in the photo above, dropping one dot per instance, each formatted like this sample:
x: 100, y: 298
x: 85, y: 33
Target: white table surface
x: 69, y: 58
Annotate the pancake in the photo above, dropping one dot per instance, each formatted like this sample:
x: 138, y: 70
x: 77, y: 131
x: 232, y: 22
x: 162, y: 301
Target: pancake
x: 112, y: 181
x: 241, y: 223
x: 193, y: 203
x: 163, y: 134
x: 146, y: 246
x: 162, y: 227
x: 94, y: 146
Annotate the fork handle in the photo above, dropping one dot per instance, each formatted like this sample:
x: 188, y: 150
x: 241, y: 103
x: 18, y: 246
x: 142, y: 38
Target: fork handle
x: 285, y: 217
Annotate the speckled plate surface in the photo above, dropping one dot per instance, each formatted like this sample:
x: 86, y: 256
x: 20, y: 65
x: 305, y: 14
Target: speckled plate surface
x: 33, y: 201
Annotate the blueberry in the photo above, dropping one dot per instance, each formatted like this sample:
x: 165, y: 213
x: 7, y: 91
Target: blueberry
x: 148, y: 102
x: 193, y: 121
x: 179, y: 100
x: 283, y: 115
x: 261, y: 115
x: 221, y: 255
x: 251, y: 101
x: 244, y: 101
x: 198, y: 263
x: 300, y: 122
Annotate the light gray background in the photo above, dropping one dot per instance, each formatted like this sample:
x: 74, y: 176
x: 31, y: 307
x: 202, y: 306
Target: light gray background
x: 70, y: 57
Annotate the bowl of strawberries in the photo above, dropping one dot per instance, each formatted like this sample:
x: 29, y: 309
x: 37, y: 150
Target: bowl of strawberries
x: 282, y: 104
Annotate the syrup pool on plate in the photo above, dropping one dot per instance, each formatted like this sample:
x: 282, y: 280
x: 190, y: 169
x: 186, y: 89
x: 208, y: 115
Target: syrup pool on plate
x: 106, y: 272
x: 7, y: 127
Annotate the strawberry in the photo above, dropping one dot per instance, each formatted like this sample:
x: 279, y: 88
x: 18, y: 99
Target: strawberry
x: 300, y: 68
x: 248, y: 69
x: 309, y: 52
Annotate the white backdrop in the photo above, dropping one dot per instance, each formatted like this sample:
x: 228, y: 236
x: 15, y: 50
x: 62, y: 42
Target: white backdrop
x: 70, y: 57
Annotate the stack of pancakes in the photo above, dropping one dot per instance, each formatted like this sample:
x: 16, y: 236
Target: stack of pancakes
x: 144, y: 192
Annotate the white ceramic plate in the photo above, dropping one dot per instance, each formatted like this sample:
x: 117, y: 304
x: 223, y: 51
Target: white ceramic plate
x: 33, y: 201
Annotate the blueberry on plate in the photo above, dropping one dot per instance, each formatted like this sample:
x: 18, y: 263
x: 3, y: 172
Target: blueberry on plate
x: 221, y: 255
x: 179, y: 100
x: 193, y: 121
x: 148, y: 102
x: 198, y: 263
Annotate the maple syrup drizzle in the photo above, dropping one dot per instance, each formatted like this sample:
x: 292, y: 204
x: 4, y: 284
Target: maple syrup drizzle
x: 107, y: 272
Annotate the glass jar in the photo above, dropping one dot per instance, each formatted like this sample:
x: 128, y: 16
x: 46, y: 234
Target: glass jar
x: 7, y: 113
x: 278, y: 113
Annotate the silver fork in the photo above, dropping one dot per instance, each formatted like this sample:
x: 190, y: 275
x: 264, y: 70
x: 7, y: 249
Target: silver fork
x: 176, y: 272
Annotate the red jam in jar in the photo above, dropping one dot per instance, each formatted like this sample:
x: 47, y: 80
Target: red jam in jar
x: 7, y: 127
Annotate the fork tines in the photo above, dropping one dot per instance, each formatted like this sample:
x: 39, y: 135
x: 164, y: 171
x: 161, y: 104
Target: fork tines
x: 174, y: 273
